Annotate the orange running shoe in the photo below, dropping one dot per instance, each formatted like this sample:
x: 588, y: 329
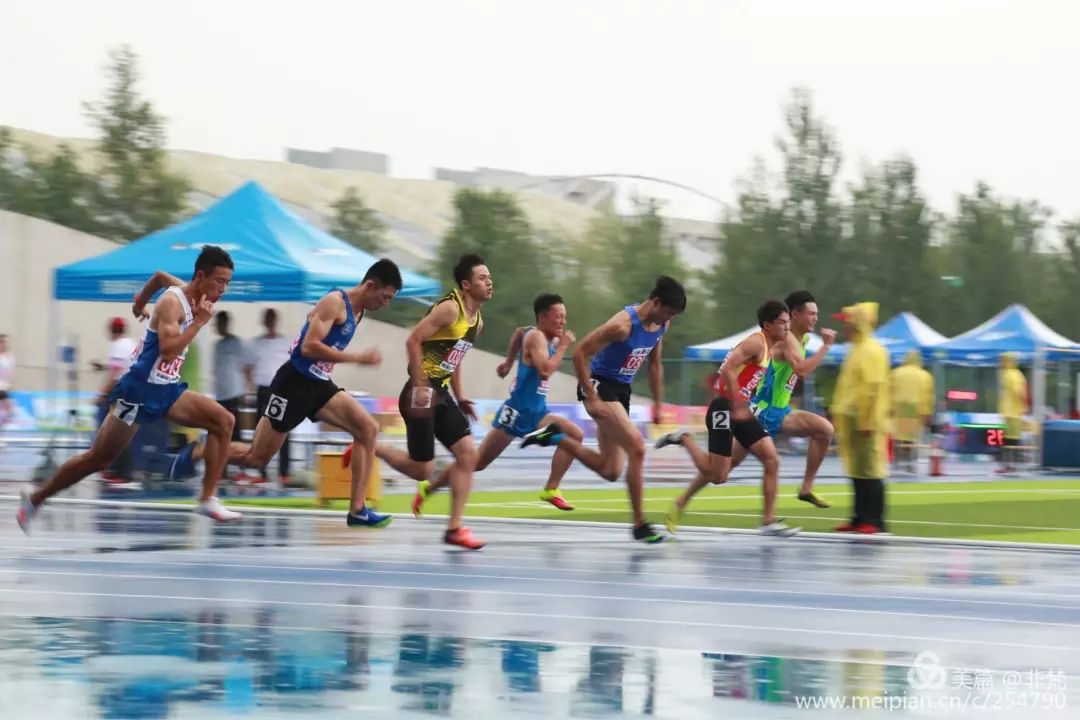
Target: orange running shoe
x: 463, y: 537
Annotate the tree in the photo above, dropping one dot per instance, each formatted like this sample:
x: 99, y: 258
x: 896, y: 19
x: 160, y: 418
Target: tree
x: 887, y: 255
x: 492, y: 225
x: 356, y: 223
x: 137, y: 193
x: 59, y: 191
x: 996, y: 246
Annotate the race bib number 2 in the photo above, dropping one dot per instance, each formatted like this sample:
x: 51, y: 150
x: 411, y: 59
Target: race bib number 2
x: 721, y: 420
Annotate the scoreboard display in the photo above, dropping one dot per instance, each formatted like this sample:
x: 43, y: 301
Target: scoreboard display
x: 977, y: 439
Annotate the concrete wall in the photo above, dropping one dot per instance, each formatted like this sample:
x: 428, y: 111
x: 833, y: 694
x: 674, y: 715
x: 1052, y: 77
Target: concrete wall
x: 31, y: 248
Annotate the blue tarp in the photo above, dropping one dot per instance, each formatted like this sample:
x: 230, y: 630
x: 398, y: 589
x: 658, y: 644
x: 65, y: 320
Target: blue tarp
x: 1014, y: 329
x: 900, y: 335
x: 278, y: 256
x: 717, y: 350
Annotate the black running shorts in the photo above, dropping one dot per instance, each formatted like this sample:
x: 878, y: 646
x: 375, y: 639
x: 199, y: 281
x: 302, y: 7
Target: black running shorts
x: 447, y: 423
x: 609, y: 391
x: 722, y: 429
x: 295, y: 396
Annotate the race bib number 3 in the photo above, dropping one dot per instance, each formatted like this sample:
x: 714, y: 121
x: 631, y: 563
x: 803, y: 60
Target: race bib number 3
x: 455, y: 356
x: 508, y: 416
x: 634, y: 361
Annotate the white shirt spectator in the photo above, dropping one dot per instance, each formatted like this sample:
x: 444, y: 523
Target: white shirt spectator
x: 266, y: 354
x: 121, y: 354
x: 7, y: 370
x: 229, y: 358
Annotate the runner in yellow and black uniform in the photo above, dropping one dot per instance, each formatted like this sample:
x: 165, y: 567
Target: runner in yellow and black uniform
x: 432, y: 403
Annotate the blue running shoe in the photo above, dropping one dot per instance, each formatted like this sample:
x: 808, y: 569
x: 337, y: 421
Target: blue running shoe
x: 368, y: 518
x: 183, y: 465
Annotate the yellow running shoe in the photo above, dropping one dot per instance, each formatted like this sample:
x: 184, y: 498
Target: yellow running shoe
x: 420, y: 496
x: 555, y: 498
x: 674, y: 516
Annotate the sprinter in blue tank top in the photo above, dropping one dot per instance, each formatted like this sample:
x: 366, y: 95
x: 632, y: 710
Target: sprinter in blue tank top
x: 151, y: 388
x: 606, y: 362
x: 303, y: 386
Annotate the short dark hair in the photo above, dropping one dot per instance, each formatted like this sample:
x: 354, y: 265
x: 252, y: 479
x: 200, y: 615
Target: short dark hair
x: 384, y: 272
x: 212, y: 257
x: 769, y: 311
x: 463, y: 269
x: 222, y: 317
x: 543, y: 302
x: 270, y: 315
x: 798, y: 299
x: 669, y: 292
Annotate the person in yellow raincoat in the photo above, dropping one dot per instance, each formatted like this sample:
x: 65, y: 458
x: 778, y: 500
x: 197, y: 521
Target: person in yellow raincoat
x: 911, y: 391
x: 1012, y: 404
x: 860, y: 413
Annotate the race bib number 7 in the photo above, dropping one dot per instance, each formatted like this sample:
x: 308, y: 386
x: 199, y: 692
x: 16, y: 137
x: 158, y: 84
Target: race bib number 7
x: 126, y: 411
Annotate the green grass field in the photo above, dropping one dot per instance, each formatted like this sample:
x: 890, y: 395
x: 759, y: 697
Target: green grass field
x: 1046, y: 511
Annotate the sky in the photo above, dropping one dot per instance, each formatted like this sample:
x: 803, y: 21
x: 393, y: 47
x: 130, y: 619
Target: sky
x: 687, y: 91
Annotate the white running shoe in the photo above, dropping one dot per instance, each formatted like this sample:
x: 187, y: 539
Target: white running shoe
x: 26, y: 512
x: 779, y: 528
x: 672, y: 438
x: 213, y: 509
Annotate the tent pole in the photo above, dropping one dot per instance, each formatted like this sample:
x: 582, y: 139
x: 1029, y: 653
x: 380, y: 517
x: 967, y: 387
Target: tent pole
x: 51, y: 333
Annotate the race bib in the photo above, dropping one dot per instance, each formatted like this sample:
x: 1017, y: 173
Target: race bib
x: 322, y: 369
x: 543, y: 388
x: 791, y: 382
x: 126, y: 411
x: 455, y: 356
x: 276, y: 407
x: 721, y: 420
x: 508, y: 416
x: 634, y: 361
x: 167, y: 372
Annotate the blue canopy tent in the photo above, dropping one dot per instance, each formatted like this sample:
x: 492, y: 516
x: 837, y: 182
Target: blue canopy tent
x: 1015, y: 329
x: 900, y: 335
x: 717, y: 350
x: 278, y: 255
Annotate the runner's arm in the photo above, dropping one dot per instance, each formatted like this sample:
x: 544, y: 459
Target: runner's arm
x: 792, y: 355
x: 512, y: 350
x: 442, y: 315
x: 536, y: 355
x: 327, y: 311
x: 745, y: 352
x: 615, y: 329
x: 166, y: 322
x: 158, y: 281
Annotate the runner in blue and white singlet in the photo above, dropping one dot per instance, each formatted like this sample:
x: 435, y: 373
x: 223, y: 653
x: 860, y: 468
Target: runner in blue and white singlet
x: 151, y: 388
x: 605, y: 363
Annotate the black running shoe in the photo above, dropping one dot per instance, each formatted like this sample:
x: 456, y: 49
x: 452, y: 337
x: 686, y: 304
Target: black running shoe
x: 645, y: 533
x: 542, y: 437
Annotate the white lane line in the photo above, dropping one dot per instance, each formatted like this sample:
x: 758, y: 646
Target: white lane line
x: 559, y: 596
x: 472, y: 577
